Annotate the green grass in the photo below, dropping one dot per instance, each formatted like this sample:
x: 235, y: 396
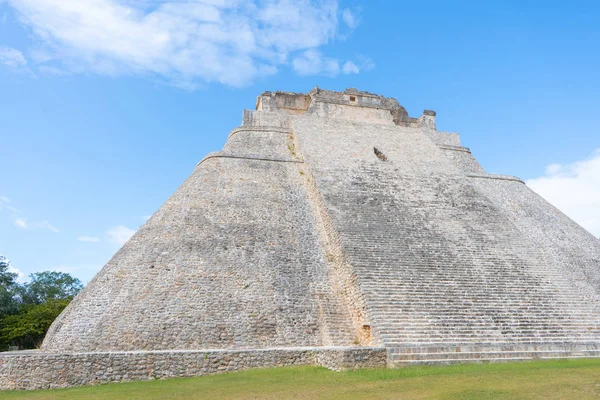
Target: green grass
x: 564, y: 379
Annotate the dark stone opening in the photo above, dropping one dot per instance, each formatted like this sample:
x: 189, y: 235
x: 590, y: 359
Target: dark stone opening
x: 379, y: 154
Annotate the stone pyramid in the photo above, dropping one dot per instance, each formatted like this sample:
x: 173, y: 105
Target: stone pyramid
x: 335, y: 220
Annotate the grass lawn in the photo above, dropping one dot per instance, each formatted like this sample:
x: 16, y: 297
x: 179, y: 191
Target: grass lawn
x: 564, y: 379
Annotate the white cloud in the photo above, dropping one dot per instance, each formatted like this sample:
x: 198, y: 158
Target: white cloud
x: 312, y: 62
x: 350, y: 68
x: 5, y: 203
x: 21, y: 278
x: 24, y: 224
x: 184, y: 42
x: 48, y: 70
x: 21, y: 223
x: 574, y: 189
x: 5, y: 261
x: 365, y: 63
x: 88, y: 239
x: 11, y: 57
x: 120, y: 234
x: 47, y: 225
x: 349, y: 18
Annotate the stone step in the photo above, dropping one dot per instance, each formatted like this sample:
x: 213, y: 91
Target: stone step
x: 456, y: 280
x: 449, y: 321
x: 424, y: 307
x: 445, y: 340
x: 475, y: 340
x: 391, y: 331
x: 495, y: 347
x: 418, y: 304
x: 384, y: 287
x: 479, y: 360
x: 514, y: 314
x: 411, y: 267
x: 492, y: 355
x: 457, y: 329
x: 477, y: 352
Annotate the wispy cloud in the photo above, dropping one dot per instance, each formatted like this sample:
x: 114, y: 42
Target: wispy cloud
x: 6, y: 203
x: 88, y: 239
x: 183, y: 42
x: 25, y: 220
x: 350, y: 68
x: 12, y: 57
x: 47, y: 225
x: 48, y: 70
x: 24, y: 224
x: 313, y: 62
x: 120, y: 234
x: 21, y: 223
x: 349, y: 18
x: 21, y: 277
x: 574, y: 189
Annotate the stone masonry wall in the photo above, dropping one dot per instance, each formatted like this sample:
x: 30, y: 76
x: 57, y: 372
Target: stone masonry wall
x: 232, y: 260
x: 570, y: 250
x: 46, y: 371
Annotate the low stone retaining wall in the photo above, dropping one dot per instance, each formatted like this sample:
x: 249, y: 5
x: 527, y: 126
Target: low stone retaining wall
x: 37, y: 370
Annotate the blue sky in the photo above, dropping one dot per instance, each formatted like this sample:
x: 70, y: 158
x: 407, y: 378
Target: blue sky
x: 107, y: 105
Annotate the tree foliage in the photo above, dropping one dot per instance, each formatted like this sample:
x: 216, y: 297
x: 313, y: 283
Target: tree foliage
x: 27, y: 310
x: 50, y: 285
x: 28, y: 328
x: 8, y: 289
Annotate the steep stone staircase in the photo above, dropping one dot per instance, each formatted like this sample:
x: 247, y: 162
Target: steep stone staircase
x: 447, y: 277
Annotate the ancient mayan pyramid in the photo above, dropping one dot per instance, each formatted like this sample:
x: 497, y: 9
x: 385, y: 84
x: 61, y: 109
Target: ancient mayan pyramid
x: 335, y: 219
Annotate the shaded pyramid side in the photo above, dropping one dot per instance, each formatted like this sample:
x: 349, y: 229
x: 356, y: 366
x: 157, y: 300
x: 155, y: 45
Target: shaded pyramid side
x: 441, y: 256
x: 232, y: 260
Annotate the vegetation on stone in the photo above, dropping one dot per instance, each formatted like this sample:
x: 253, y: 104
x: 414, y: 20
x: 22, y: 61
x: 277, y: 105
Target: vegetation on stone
x: 27, y: 310
x: 565, y: 379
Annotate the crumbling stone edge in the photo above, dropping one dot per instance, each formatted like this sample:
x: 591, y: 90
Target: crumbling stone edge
x: 37, y: 370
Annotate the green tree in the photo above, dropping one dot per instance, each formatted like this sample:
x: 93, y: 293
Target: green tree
x: 28, y: 328
x: 9, y: 289
x: 29, y: 309
x: 50, y: 285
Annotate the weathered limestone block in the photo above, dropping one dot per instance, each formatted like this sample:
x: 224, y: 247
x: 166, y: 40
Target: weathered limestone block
x: 58, y: 370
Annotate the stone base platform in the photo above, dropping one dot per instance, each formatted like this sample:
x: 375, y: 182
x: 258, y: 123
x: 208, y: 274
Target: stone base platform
x: 37, y: 370
x: 489, y: 352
